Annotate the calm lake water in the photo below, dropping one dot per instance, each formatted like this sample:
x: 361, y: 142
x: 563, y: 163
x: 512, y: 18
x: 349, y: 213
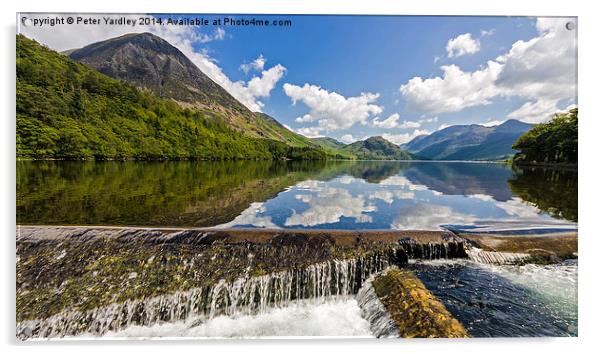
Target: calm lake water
x: 317, y: 195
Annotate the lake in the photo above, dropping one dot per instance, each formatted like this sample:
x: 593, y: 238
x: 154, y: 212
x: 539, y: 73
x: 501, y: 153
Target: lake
x: 465, y: 196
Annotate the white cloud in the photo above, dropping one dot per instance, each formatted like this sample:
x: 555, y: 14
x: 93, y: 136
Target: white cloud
x: 385, y: 196
x: 402, y: 181
x: 485, y: 33
x: 310, y: 132
x: 348, y: 139
x: 541, y: 70
x: 408, y: 124
x: 217, y: 35
x: 389, y: 123
x: 517, y: 207
x: 328, y: 206
x: 262, y: 86
x: 452, y: 92
x: 390, y: 196
x: 462, y: 45
x: 393, y: 122
x: 492, y: 123
x: 63, y: 37
x: 404, y: 138
x: 331, y: 110
x: 429, y: 120
x: 428, y: 217
x: 250, y: 216
x: 256, y: 64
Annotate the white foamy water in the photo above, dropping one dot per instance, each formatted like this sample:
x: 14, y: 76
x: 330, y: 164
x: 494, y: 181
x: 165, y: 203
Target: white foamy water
x: 332, y: 317
x: 555, y: 283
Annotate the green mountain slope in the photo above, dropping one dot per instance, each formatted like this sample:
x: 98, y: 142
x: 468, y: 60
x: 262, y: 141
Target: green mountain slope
x: 328, y: 142
x: 333, y: 147
x: 150, y: 62
x: 67, y: 110
x: 377, y: 148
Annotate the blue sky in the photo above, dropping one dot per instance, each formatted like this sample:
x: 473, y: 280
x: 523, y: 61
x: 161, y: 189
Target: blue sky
x: 350, y: 77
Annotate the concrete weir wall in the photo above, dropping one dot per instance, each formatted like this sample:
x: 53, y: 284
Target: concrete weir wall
x: 90, y: 280
x: 413, y: 309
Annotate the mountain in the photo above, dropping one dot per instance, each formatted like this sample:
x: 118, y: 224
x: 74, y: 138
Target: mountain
x: 333, y: 147
x: 469, y: 142
x: 328, y: 142
x: 150, y: 62
x: 377, y: 148
x: 66, y: 110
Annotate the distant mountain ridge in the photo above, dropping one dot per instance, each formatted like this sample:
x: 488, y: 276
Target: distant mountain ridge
x: 377, y: 148
x: 469, y: 142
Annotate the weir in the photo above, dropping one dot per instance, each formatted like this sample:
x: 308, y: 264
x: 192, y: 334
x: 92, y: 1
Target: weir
x: 92, y: 280
x: 73, y: 280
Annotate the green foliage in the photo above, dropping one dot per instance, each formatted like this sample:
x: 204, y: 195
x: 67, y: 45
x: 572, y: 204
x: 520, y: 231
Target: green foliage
x: 377, y: 148
x: 552, y: 142
x: 553, y: 191
x: 334, y: 148
x: 66, y: 110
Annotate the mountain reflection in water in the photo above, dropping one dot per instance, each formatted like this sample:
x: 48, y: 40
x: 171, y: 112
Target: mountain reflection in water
x: 286, y: 194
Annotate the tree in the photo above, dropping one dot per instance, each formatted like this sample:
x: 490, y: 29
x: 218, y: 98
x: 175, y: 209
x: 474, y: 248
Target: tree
x: 553, y: 142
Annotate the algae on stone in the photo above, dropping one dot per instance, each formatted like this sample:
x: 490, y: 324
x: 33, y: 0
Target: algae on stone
x: 413, y: 308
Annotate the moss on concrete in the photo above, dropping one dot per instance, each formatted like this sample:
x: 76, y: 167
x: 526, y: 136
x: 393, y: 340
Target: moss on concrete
x: 413, y: 308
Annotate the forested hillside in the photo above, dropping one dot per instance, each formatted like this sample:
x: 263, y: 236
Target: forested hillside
x: 67, y: 110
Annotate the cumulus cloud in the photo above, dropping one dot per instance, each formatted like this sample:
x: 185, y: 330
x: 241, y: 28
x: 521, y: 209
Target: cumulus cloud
x: 541, y: 70
x: 398, y: 139
x: 402, y: 181
x: 452, y: 92
x: 393, y: 122
x: 63, y: 37
x: 485, y: 33
x: 348, y: 139
x: 328, y: 206
x: 425, y: 216
x: 390, y: 196
x: 217, y: 35
x: 331, y: 110
x: 389, y: 123
x: 250, y: 216
x: 492, y: 123
x: 310, y: 132
x: 256, y: 64
x: 462, y: 45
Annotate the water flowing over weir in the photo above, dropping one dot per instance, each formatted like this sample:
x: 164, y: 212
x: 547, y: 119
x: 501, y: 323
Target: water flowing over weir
x: 374, y: 312
x: 234, y: 276
x: 243, y: 296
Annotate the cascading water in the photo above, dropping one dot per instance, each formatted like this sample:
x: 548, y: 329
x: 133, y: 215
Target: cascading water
x: 243, y: 296
x: 490, y: 257
x: 374, y: 312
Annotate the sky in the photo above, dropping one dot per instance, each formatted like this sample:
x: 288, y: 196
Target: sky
x: 351, y: 77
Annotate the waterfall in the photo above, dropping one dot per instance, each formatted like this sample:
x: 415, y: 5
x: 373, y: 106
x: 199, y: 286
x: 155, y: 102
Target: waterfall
x: 245, y: 295
x: 447, y: 250
x: 381, y: 324
x: 491, y: 257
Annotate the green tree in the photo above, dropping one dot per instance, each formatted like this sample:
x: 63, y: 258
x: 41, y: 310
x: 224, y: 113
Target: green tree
x: 551, y: 142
